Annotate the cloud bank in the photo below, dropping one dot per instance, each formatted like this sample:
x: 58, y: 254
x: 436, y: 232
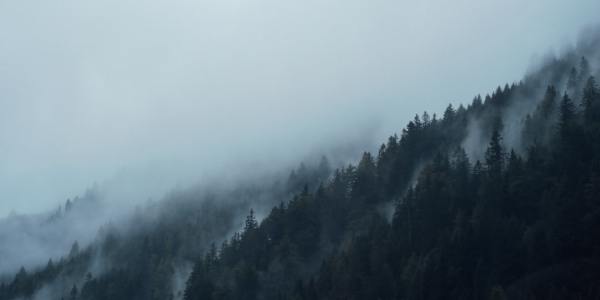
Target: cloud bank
x: 146, y: 96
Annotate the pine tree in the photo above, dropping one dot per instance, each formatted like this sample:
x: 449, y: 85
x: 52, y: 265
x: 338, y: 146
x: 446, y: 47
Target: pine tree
x: 251, y: 223
x: 68, y: 205
x: 74, y: 250
x: 591, y: 101
x: 572, y: 81
x: 199, y: 285
x: 449, y: 114
x: 246, y: 281
x: 324, y: 168
x: 548, y: 103
x: 73, y: 293
x: 567, y: 117
x: 584, y: 69
x: 426, y: 119
x: 494, y: 155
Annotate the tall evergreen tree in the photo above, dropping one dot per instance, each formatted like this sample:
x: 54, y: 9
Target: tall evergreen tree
x: 591, y: 101
x: 495, y: 155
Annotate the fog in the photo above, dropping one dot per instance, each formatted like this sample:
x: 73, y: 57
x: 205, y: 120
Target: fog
x: 142, y: 97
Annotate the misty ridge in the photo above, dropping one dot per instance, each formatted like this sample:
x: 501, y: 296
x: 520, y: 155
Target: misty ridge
x: 478, y: 202
x: 83, y: 218
x: 186, y: 221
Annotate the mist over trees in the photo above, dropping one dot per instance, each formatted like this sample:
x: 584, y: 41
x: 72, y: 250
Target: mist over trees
x: 497, y: 199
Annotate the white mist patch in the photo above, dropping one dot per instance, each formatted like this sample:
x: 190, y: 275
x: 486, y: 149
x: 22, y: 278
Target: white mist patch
x: 387, y: 210
x: 45, y: 293
x: 30, y: 240
x: 475, y: 141
x: 182, y: 86
x: 180, y: 276
x: 513, y: 119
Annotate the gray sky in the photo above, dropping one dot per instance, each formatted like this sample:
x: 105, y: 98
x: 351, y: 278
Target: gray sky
x: 145, y: 95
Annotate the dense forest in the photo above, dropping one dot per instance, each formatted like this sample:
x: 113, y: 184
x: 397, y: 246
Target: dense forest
x: 497, y: 199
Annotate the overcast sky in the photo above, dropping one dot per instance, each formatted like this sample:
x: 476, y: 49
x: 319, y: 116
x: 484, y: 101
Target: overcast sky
x: 159, y: 92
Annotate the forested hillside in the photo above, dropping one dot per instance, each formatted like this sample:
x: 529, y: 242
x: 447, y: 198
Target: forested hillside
x: 497, y: 199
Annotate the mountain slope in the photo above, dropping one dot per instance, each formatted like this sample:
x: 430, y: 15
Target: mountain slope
x: 522, y: 223
x: 496, y: 200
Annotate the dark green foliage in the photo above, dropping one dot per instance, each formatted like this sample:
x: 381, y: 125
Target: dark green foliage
x: 539, y: 126
x: 591, y: 101
x: 510, y: 228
